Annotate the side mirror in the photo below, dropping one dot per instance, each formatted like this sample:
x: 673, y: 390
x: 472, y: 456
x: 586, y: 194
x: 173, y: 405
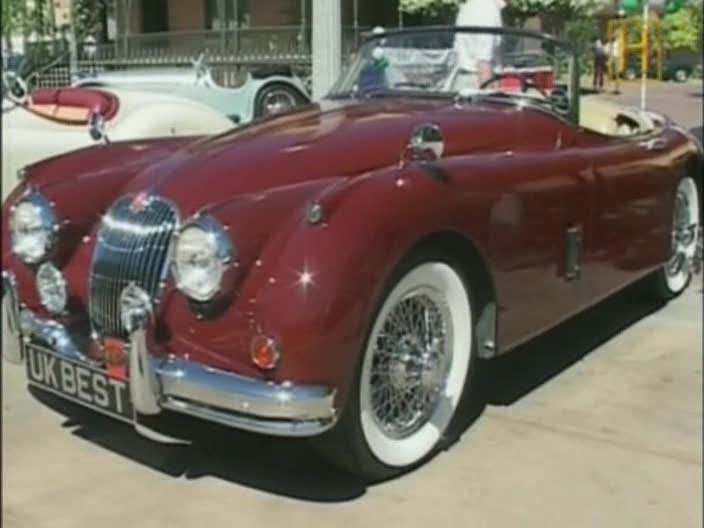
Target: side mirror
x: 96, y: 127
x: 426, y: 145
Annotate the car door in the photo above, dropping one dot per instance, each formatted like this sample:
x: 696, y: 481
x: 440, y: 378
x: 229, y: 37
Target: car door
x: 633, y: 197
x: 538, y: 220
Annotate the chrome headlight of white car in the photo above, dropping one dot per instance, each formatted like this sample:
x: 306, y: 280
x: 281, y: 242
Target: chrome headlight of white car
x: 202, y: 252
x: 33, y: 228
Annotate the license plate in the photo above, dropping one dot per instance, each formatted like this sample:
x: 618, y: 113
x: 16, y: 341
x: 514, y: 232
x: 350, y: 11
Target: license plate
x: 78, y: 382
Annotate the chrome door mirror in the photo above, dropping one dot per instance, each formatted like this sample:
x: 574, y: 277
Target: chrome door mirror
x: 426, y: 144
x: 96, y: 127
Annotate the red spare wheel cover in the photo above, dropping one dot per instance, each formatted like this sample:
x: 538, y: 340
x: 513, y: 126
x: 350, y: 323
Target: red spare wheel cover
x: 91, y: 99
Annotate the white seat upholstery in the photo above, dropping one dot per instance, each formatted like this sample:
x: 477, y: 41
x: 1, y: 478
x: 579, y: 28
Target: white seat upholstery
x: 606, y: 117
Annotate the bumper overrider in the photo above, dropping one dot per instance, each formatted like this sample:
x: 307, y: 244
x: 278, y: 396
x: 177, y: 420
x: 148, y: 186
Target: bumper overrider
x: 179, y: 385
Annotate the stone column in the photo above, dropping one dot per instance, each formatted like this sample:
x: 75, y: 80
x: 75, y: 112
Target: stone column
x: 327, y: 45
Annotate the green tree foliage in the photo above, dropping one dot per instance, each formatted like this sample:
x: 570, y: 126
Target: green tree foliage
x: 683, y: 29
x: 430, y: 8
x: 20, y: 17
x: 554, y: 14
x: 89, y: 17
x: 582, y: 33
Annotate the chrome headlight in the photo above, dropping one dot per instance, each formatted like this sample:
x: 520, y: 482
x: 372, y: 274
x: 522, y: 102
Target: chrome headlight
x: 202, y: 253
x: 33, y: 228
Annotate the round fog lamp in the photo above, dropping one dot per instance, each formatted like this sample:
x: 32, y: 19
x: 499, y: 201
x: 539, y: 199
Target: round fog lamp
x: 51, y: 287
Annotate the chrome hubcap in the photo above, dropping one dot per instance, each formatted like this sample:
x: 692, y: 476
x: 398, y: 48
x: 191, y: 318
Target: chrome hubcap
x: 277, y: 102
x: 411, y: 362
x: 684, y: 235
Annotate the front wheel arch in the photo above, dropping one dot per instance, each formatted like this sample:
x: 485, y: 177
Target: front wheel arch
x: 474, y: 266
x: 344, y: 446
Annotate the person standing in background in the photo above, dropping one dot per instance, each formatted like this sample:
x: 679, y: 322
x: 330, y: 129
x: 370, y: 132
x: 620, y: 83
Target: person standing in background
x: 600, y: 62
x: 614, y: 52
x: 477, y: 54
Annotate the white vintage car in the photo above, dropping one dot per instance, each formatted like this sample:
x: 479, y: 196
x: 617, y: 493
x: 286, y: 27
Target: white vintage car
x: 55, y: 121
x: 264, y: 91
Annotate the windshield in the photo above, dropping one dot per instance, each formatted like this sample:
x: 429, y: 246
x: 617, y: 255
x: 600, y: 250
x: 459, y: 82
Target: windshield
x: 470, y: 62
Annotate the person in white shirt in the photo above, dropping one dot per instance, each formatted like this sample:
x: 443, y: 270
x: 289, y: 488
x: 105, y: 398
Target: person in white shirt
x: 614, y: 51
x: 477, y: 53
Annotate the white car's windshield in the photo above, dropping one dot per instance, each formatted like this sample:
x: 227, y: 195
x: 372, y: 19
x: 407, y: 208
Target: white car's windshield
x: 509, y: 64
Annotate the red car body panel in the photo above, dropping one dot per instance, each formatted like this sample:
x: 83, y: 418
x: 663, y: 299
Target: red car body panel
x: 511, y: 182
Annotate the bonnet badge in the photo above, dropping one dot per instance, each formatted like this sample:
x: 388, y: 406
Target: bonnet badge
x: 140, y: 202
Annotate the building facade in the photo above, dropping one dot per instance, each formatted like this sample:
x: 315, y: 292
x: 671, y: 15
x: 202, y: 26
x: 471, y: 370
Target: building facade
x: 233, y: 29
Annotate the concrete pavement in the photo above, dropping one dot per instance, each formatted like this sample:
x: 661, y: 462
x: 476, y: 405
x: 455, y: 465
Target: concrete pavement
x: 598, y: 423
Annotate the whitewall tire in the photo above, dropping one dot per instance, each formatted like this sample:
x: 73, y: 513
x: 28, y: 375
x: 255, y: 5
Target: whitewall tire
x: 417, y: 372
x: 415, y: 364
x: 685, y: 231
x: 676, y: 274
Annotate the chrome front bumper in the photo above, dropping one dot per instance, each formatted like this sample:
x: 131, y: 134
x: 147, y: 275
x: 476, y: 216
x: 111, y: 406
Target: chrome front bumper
x: 184, y: 386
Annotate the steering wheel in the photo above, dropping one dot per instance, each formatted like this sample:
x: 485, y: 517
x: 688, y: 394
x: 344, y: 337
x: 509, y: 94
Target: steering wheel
x: 526, y: 82
x: 16, y: 87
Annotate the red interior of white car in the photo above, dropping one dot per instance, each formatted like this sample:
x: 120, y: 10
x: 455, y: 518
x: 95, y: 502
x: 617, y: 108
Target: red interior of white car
x: 73, y: 105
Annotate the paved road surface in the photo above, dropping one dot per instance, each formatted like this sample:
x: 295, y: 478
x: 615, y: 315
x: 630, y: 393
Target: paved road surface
x: 599, y: 423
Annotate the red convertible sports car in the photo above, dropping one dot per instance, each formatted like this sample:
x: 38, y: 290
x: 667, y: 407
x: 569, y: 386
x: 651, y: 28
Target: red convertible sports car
x: 339, y: 272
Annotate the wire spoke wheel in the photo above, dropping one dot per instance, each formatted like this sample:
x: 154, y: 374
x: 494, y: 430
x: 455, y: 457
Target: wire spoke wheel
x: 685, y: 236
x: 410, y: 363
x: 415, y: 364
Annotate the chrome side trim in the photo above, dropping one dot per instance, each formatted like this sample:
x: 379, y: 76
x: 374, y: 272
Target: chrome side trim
x: 11, y: 316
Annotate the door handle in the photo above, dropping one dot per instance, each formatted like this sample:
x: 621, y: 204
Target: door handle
x: 653, y: 144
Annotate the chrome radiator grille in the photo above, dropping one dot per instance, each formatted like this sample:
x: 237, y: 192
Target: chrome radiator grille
x: 132, y: 247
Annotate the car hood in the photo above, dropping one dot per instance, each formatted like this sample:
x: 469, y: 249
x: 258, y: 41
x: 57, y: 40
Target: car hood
x: 331, y: 140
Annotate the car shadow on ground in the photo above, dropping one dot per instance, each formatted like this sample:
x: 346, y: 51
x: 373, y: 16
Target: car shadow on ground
x: 290, y: 467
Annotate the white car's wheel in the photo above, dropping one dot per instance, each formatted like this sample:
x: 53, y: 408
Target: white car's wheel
x: 415, y: 364
x: 681, y: 75
x: 276, y: 99
x: 675, y: 276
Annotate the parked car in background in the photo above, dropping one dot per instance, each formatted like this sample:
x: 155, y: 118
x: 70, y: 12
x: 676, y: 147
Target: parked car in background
x: 677, y: 68
x: 55, y: 121
x: 265, y: 91
x: 341, y: 271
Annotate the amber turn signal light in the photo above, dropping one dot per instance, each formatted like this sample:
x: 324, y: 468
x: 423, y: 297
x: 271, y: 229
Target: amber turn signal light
x: 265, y: 353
